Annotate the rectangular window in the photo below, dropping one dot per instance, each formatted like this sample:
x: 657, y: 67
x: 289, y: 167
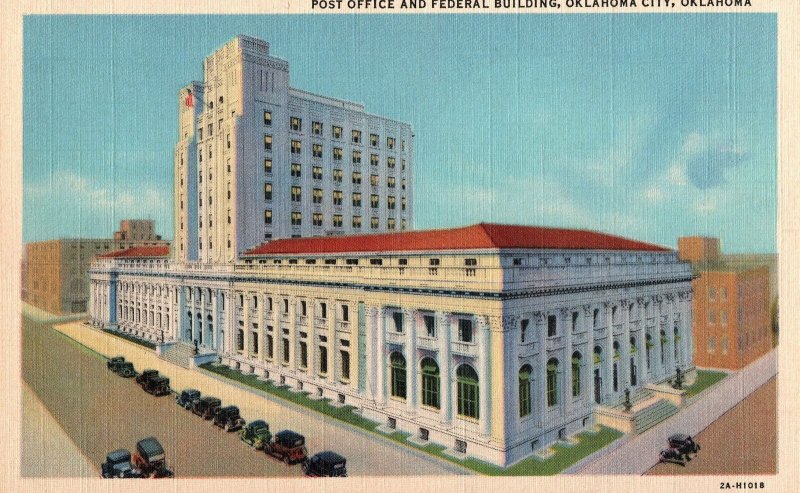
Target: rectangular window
x: 267, y: 142
x: 390, y: 162
x: 551, y: 325
x: 337, y: 220
x: 316, y: 128
x: 374, y: 201
x: 270, y: 348
x: 376, y: 261
x: 296, y: 124
x: 574, y: 321
x: 336, y: 132
x: 390, y: 202
x: 464, y: 330
x: 356, y: 178
x: 337, y: 153
x: 267, y: 118
x: 356, y: 157
x: 316, y: 219
x: 390, y: 223
x: 316, y: 172
x: 374, y: 180
x: 523, y: 330
x: 403, y: 145
x: 345, y: 365
x: 297, y: 147
x: 296, y: 170
x: 356, y: 200
x: 356, y: 136
x: 317, y: 196
x: 430, y: 326
x: 402, y: 165
x: 337, y: 175
x: 524, y: 394
x: 267, y: 165
x: 390, y: 182
x: 373, y: 159
x: 303, y: 354
x: 351, y: 261
x: 297, y: 218
x: 373, y: 140
x: 316, y: 150
x: 323, y: 360
x: 390, y: 142
x: 296, y: 194
x: 337, y: 197
x: 268, y: 191
x: 254, y: 342
x: 357, y: 222
x: 267, y: 216
x: 286, y: 350
x: 374, y: 223
x: 403, y: 203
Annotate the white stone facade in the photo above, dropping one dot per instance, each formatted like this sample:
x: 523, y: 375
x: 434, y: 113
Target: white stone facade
x: 257, y: 159
x: 343, y: 327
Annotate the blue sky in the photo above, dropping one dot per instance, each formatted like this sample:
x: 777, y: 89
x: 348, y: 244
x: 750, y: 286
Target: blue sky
x: 648, y: 126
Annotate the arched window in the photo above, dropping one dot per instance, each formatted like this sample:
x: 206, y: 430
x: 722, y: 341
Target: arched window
x: 467, y: 391
x: 663, y: 348
x: 430, y: 383
x: 677, y: 339
x: 240, y: 340
x: 398, y: 375
x: 634, y: 351
x: 598, y: 355
x: 576, y: 374
x: 552, y: 382
x: 525, y: 390
x: 615, y: 368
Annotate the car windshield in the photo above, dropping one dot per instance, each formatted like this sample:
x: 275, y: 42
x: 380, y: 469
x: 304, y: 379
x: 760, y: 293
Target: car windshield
x: 298, y: 442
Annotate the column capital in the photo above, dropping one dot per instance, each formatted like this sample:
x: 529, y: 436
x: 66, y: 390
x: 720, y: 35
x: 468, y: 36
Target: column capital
x: 509, y: 322
x: 563, y: 312
x: 670, y: 297
x: 587, y: 310
x: 538, y: 317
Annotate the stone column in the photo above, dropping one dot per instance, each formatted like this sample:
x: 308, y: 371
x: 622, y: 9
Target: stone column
x: 671, y: 335
x: 292, y: 333
x: 588, y: 315
x: 369, y: 348
x: 504, y: 333
x: 246, y: 327
x: 311, y: 340
x: 446, y: 384
x: 381, y: 358
x: 609, y: 360
x: 643, y: 375
x: 333, y: 369
x: 484, y: 392
x: 230, y: 322
x: 214, y: 319
x: 658, y: 374
x: 688, y: 332
x: 262, y: 328
x: 412, y: 368
x: 625, y: 346
x: 540, y: 383
x: 565, y: 329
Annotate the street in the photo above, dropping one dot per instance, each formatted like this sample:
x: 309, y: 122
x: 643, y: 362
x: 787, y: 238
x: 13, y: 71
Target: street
x: 102, y: 412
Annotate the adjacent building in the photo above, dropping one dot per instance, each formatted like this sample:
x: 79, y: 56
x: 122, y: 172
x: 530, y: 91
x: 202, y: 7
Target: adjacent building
x: 732, y: 320
x: 56, y: 272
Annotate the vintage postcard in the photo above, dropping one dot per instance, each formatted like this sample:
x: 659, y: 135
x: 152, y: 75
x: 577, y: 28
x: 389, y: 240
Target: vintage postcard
x: 422, y: 245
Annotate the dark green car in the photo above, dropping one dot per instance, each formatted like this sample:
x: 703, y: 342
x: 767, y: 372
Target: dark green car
x: 256, y: 433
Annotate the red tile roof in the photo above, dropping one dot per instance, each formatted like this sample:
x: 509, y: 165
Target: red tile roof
x: 140, y: 251
x: 478, y: 236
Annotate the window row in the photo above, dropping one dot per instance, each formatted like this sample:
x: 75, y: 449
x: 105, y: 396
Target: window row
x: 296, y: 125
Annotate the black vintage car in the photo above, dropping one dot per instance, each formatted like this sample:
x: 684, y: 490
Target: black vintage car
x: 145, y: 376
x: 157, y: 386
x: 205, y: 406
x: 288, y: 446
x: 326, y: 464
x: 228, y: 418
x: 118, y: 465
x: 683, y: 444
x: 256, y: 434
x: 150, y: 459
x: 114, y: 362
x: 125, y: 369
x: 186, y: 397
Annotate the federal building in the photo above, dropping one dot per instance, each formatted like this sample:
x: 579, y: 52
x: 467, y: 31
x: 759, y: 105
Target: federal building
x: 492, y: 340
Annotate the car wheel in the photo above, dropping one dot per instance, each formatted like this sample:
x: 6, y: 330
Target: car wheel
x: 227, y: 427
x: 286, y: 459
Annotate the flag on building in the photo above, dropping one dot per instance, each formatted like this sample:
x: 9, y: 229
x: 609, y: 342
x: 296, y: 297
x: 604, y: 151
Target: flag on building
x: 189, y: 99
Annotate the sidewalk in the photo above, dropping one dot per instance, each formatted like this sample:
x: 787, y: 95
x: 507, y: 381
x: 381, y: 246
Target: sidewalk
x: 46, y: 450
x: 638, y: 453
x: 366, y: 453
x: 42, y: 316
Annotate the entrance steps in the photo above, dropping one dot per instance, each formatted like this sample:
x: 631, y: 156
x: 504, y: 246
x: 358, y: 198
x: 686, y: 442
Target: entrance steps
x: 648, y: 408
x: 653, y: 414
x: 179, y: 353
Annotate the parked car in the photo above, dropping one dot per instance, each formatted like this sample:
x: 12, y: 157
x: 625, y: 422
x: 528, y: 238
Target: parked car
x: 256, y: 434
x: 118, y: 465
x: 287, y: 446
x: 326, y: 464
x: 126, y: 370
x: 671, y: 455
x: 114, y: 362
x: 145, y: 376
x: 228, y: 418
x: 186, y: 397
x: 150, y: 459
x: 683, y: 444
x: 157, y: 386
x: 205, y: 406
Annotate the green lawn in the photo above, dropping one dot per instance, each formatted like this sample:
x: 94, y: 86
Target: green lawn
x: 130, y: 338
x: 564, y: 457
x: 705, y: 379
